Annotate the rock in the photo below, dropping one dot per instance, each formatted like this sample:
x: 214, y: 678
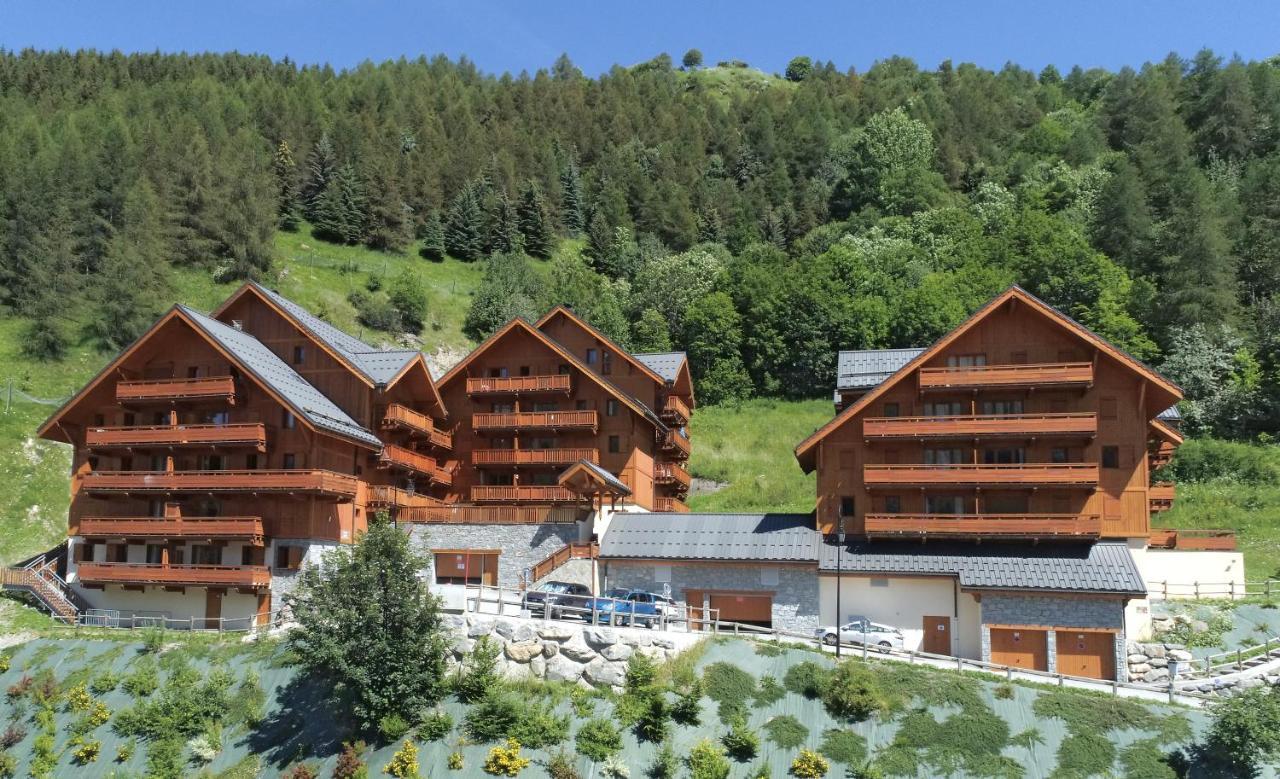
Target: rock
x: 1158, y: 662
x: 1199, y: 625
x: 637, y: 639
x: 576, y: 649
x: 1137, y: 658
x: 462, y: 646
x: 538, y: 666
x: 664, y: 643
x: 454, y: 621
x: 550, y: 649
x: 562, y: 669
x: 655, y: 653
x: 1181, y: 655
x: 1138, y: 669
x: 506, y: 628
x: 555, y: 631
x: 1154, y: 650
x: 480, y: 627
x: 1252, y: 681
x: 598, y: 637
x: 616, y: 652
x: 524, y: 632
x: 524, y: 651
x: 603, y: 672
x: 1156, y: 675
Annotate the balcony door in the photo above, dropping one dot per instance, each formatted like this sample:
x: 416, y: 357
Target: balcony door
x: 212, y: 608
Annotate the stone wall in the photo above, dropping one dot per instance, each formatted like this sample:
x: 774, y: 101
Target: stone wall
x: 522, y: 546
x: 795, y: 590
x: 283, y: 581
x: 1149, y: 661
x: 1053, y: 611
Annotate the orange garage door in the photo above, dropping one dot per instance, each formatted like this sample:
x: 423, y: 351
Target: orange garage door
x: 745, y: 608
x: 1086, y: 653
x: 1020, y: 647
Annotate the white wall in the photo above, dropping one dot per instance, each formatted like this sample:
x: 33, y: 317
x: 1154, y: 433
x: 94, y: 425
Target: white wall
x: 1217, y: 574
x: 156, y: 601
x: 904, y: 604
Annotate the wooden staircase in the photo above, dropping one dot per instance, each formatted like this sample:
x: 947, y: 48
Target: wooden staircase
x: 39, y: 578
x: 573, y: 551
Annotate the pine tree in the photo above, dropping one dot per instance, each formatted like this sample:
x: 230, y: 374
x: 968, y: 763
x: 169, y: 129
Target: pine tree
x: 340, y: 214
x: 571, y: 196
x: 286, y: 171
x: 504, y: 230
x: 322, y: 166
x: 133, y: 287
x: 535, y: 222
x: 433, y: 237
x: 599, y: 240
x: 387, y: 222
x: 464, y: 227
x: 53, y: 285
x: 194, y: 198
x: 246, y: 223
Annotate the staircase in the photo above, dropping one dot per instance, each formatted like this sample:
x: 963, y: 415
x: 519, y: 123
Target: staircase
x: 39, y: 578
x: 572, y: 551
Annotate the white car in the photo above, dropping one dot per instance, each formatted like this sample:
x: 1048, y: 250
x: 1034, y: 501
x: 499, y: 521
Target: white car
x: 860, y: 630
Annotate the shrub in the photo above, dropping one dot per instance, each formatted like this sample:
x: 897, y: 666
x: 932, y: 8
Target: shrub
x: 1246, y: 729
x: 1003, y: 691
x: 404, y: 763
x: 853, y: 693
x: 741, y: 742
x: 844, y: 746
x: 1145, y: 760
x: 707, y: 761
x: 809, y: 765
x: 723, y: 683
x: 249, y: 704
x: 86, y: 752
x: 153, y: 640
x: 124, y: 752
x: 806, y: 678
x: 455, y: 761
x: 12, y: 735
x: 393, y: 727
x: 561, y: 766
x: 615, y: 768
x: 99, y: 714
x: 203, y: 749
x: 8, y: 765
x: 1085, y: 754
x: 349, y: 764
x: 687, y: 710
x: 301, y: 771
x: 435, y: 726
x: 769, y: 692
x: 79, y: 699
x: 652, y: 726
x: 506, y: 760
x: 786, y: 731
x: 20, y: 688
x: 665, y: 765
x: 104, y: 683
x: 597, y: 739
x: 480, y: 671
x: 503, y: 714
x: 143, y: 679
x: 4, y: 663
x: 164, y: 758
x: 409, y: 298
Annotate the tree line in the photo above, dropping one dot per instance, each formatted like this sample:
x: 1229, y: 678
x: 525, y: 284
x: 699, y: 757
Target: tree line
x: 760, y: 223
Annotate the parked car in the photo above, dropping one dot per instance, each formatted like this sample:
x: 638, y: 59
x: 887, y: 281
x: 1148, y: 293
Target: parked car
x: 860, y: 630
x: 555, y: 596
x: 628, y: 607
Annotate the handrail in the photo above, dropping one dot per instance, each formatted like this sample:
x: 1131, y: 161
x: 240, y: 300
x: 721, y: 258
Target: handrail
x: 398, y: 456
x: 1019, y: 524
x: 176, y: 435
x: 1020, y: 473
x: 169, y: 573
x: 229, y: 526
x: 665, y: 471
x: 671, y: 505
x: 553, y: 382
x: 175, y: 388
x: 531, y: 493
x: 509, y: 420
x: 398, y: 414
x: 282, y: 479
x: 671, y: 439
x: 555, y: 456
x: 676, y: 408
x: 991, y: 424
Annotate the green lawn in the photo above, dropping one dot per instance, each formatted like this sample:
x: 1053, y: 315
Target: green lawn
x: 1250, y: 510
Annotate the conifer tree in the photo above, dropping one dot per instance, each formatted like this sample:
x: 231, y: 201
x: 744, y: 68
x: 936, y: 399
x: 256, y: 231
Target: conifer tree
x: 247, y: 221
x: 340, y: 211
x: 133, y: 287
x: 322, y: 166
x: 464, y: 227
x: 52, y: 282
x: 195, y: 205
x: 571, y: 195
x: 286, y: 187
x: 535, y: 222
x: 433, y: 237
x: 599, y: 241
x: 504, y: 230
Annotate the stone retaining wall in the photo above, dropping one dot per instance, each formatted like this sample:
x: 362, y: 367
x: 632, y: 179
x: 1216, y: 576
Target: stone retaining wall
x: 522, y: 546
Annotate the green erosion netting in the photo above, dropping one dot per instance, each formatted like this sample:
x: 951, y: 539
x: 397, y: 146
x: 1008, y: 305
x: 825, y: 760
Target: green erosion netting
x: 299, y: 725
x: 1251, y: 623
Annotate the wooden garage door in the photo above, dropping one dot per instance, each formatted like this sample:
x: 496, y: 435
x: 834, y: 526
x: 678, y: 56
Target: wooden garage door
x: 1020, y: 647
x: 743, y: 607
x: 463, y: 566
x: 1086, y: 653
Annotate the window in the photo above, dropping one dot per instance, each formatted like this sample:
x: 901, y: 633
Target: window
x: 564, y: 368
x: 606, y: 362
x: 944, y: 456
x: 289, y: 460
x: 299, y: 354
x: 944, y: 504
x: 126, y: 463
x: 847, y: 506
x: 205, y: 554
x: 155, y: 508
x: 466, y: 568
x: 193, y: 372
x: 1006, y: 456
x: 129, y: 419
x: 1110, y: 457
x: 546, y: 406
x: 1002, y: 407
x: 502, y: 408
x: 891, y: 410
x: 160, y: 418
x: 155, y: 554
x: 252, y: 555
x: 591, y: 357
x: 545, y: 479
x: 99, y: 420
x: 662, y: 574
x: 892, y: 504
x: 497, y: 373
x: 966, y: 360
x: 251, y: 462
x: 288, y: 557
x: 1108, y: 408
x: 943, y: 408
x: 287, y: 420
x: 611, y: 408
x: 1018, y: 358
x: 1058, y: 455
x: 542, y: 443
x: 1006, y: 504
x: 211, y: 462
x: 581, y: 405
x: 615, y: 444
x: 879, y: 582
x: 217, y: 418
x: 524, y: 370
x: 769, y: 576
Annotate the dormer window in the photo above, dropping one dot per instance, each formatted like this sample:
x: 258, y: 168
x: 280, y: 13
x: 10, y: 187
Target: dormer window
x: 299, y: 354
x: 606, y: 362
x: 592, y: 356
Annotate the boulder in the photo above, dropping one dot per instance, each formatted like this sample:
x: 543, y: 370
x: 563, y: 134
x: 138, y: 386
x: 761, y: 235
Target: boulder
x: 1156, y: 675
x: 524, y: 651
x: 1181, y: 655
x: 637, y: 639
x: 603, y: 673
x: 576, y: 649
x: 550, y: 649
x: 538, y: 666
x: 454, y: 621
x: 1137, y: 658
x: 462, y: 646
x: 480, y: 627
x: 664, y: 643
x: 1199, y: 625
x: 1158, y: 662
x: 655, y: 653
x: 555, y: 631
x: 506, y: 628
x: 616, y: 652
x: 1138, y: 669
x: 562, y: 669
x: 600, y: 637
x: 1154, y: 650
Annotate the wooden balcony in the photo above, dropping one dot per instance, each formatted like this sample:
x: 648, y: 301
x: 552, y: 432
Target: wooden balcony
x: 1193, y: 540
x: 208, y: 388
x: 522, y: 494
x: 382, y: 496
x: 671, y: 473
x: 1024, y: 475
x: 535, y: 420
x: 1011, y: 526
x: 1060, y: 374
x: 400, y: 417
x: 670, y: 505
x: 254, y: 576
x: 516, y: 457
x: 247, y: 528
x: 492, y: 515
x: 299, y: 480
x: 1160, y: 496
x: 675, y: 411
x: 240, y: 434
x: 1082, y: 425
x: 559, y: 383
x: 672, y: 442
x: 398, y: 457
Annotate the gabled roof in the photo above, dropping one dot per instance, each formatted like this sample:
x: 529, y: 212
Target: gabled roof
x: 1170, y: 414
x: 1102, y: 567
x: 745, y: 537
x: 594, y: 474
x: 665, y: 364
x: 520, y: 324
x: 866, y: 368
x: 804, y: 451
x: 567, y: 313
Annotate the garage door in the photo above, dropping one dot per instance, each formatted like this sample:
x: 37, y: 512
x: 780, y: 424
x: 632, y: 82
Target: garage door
x: 1020, y: 648
x: 1086, y: 653
x: 743, y: 607
x: 466, y: 566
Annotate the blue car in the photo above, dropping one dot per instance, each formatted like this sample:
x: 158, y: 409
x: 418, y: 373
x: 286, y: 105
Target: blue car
x: 626, y: 607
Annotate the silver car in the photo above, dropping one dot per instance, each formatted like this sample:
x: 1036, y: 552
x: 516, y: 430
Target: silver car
x: 860, y: 630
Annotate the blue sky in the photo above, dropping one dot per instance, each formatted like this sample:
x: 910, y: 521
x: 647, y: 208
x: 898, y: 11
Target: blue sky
x: 514, y: 36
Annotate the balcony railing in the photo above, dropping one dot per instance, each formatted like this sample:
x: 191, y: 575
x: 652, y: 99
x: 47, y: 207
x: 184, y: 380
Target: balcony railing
x: 670, y: 505
x: 318, y: 482
x: 1066, y: 474
x: 512, y: 457
x: 237, y: 434
x: 514, y: 385
x: 1015, y: 425
x: 675, y: 411
x: 1021, y: 526
x: 1026, y: 375
x: 492, y: 515
x: 672, y: 442
x: 1160, y: 496
x: 386, y: 497
x: 404, y: 418
x: 1204, y: 540
x: 671, y: 473
x: 521, y: 494
x: 174, y: 390
x: 249, y: 528
x: 256, y: 576
x: 406, y: 459
x: 535, y: 420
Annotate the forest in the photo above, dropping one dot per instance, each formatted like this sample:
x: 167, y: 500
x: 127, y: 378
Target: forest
x: 759, y: 222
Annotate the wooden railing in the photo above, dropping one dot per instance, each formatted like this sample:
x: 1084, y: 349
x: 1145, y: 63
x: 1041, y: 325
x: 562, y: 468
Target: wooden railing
x: 521, y: 494
x: 671, y: 473
x: 675, y: 410
x: 559, y: 382
x: 242, y: 433
x: 535, y: 420
x: 168, y: 390
x: 194, y: 575
x: 1027, y: 375
x: 491, y: 515
x: 295, y: 480
x: 672, y: 441
x: 669, y: 505
x: 572, y: 551
x: 1082, y: 424
x: 173, y: 527
x: 405, y: 418
x: 381, y: 496
x: 1030, y: 526
x: 505, y: 457
x: 1215, y: 540
x: 1085, y: 474
x: 393, y: 456
x: 1160, y: 496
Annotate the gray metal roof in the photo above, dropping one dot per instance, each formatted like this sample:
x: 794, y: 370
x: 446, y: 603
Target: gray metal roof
x: 665, y: 364
x: 609, y: 478
x: 378, y: 365
x: 746, y: 537
x: 1103, y: 567
x: 1170, y: 414
x: 263, y: 364
x: 867, y: 368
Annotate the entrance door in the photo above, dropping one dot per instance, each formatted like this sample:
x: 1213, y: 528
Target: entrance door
x: 212, y: 609
x: 693, y: 602
x: 937, y: 635
x: 1089, y: 654
x: 1020, y: 647
x: 745, y: 608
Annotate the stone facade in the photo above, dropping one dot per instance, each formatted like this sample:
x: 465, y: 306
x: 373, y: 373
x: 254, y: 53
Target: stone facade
x: 1054, y: 611
x: 284, y: 581
x: 795, y: 589
x: 522, y: 546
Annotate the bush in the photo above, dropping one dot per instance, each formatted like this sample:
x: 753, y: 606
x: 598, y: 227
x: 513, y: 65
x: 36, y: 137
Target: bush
x: 153, y: 640
x: 203, y: 749
x: 249, y: 704
x: 301, y: 771
x: 435, y: 726
x: 597, y: 739
x: 809, y: 765
x: 79, y: 699
x: 769, y: 692
x: 124, y: 752
x: 349, y: 764
x: 12, y: 735
x: 1145, y: 760
x: 455, y: 761
x: 479, y: 673
x: 853, y: 693
x: 786, y: 731
x: 730, y: 687
x: 504, y: 714
x: 1246, y: 729
x: 652, y: 726
x: 707, y: 761
x: 393, y: 727
x: 86, y: 752
x: 1208, y: 459
x: 20, y: 688
x: 104, y: 683
x: 409, y: 298
x: 687, y: 710
x: 1085, y: 754
x: 506, y: 760
x: 741, y: 742
x: 377, y: 312
x: 844, y: 746
x: 665, y: 765
x: 561, y: 766
x: 806, y: 678
x: 614, y: 768
x: 143, y: 679
x: 404, y: 763
x: 8, y: 765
